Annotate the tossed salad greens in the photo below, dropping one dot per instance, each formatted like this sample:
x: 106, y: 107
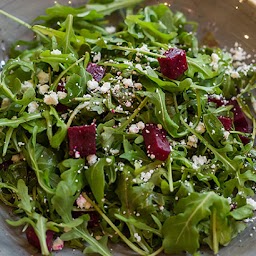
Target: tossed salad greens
x: 99, y: 144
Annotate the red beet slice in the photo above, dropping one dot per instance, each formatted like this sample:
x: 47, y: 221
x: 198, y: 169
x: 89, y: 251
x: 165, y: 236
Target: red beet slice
x: 175, y: 63
x: 33, y: 239
x: 226, y: 122
x: 96, y: 71
x: 156, y: 142
x: 241, y: 122
x: 82, y: 140
x: 61, y: 87
x: 245, y: 140
x: 220, y: 101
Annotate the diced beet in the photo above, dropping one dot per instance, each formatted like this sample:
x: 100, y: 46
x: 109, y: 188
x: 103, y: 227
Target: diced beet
x: 227, y: 122
x: 175, y: 63
x: 61, y: 87
x: 82, y: 140
x: 220, y: 101
x: 241, y: 122
x: 245, y: 140
x: 94, y: 218
x: 96, y: 71
x: 33, y: 239
x: 61, y: 108
x: 156, y: 142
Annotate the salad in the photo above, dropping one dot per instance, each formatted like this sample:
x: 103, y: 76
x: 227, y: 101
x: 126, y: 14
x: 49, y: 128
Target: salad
x: 126, y: 133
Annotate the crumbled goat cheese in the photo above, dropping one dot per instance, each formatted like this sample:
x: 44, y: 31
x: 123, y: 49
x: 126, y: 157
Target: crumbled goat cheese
x: 251, y: 202
x: 92, y: 159
x: 61, y: 95
x: 110, y: 29
x: 56, y: 52
x: 140, y: 125
x: 137, y: 237
x: 200, y: 128
x: 26, y: 85
x: 77, y: 154
x: 43, y: 89
x: 57, y: 245
x: 97, y: 57
x: 32, y: 107
x: 234, y: 74
x: 127, y: 82
x: 92, y: 85
x: 51, y: 98
x: 226, y: 134
x: 198, y: 161
x: 119, y: 108
x: 114, y: 151
x: 215, y: 61
x: 238, y: 53
x: 145, y: 176
x: 5, y: 103
x: 105, y: 87
x: 43, y: 77
x: 192, y: 141
x: 82, y: 203
x: 134, y: 129
x: 138, y: 86
x: 139, y: 67
x: 128, y: 104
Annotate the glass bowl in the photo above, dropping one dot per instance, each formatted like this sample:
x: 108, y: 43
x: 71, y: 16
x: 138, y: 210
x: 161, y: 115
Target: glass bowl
x: 224, y: 22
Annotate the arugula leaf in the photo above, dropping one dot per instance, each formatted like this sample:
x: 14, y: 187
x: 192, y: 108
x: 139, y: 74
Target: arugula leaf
x: 181, y: 231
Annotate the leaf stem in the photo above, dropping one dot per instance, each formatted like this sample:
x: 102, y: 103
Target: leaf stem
x: 135, y: 50
x: 170, y: 179
x: 55, y: 83
x: 157, y: 252
x: 135, y: 113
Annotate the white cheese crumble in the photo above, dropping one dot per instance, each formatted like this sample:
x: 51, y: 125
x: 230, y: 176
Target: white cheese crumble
x: 25, y: 85
x: 32, y: 107
x: 92, y: 85
x: 5, y: 103
x: 234, y: 74
x: 127, y: 82
x: 137, y: 237
x: 145, y: 176
x: 92, y: 159
x: 97, y: 57
x: 61, y: 95
x: 114, y: 151
x: 57, y: 245
x: 42, y: 89
x: 82, y: 203
x: 43, y: 77
x: 251, y: 202
x: 51, y: 98
x: 192, y: 141
x: 226, y: 134
x: 56, y: 52
x: 105, y: 87
x: 200, y: 128
x: 215, y: 61
x: 134, y: 129
x: 110, y: 29
x: 198, y: 161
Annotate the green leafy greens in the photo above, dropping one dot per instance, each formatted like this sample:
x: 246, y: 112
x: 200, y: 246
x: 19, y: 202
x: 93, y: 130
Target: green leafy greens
x: 197, y: 196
